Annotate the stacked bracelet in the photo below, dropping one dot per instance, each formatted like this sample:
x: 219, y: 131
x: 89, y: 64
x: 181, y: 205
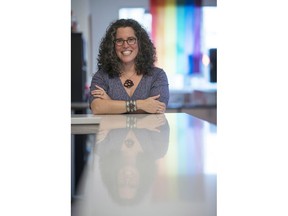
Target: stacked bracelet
x: 131, y: 106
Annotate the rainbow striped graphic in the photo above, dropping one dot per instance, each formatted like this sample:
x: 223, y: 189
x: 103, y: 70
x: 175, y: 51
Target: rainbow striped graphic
x: 183, y: 162
x: 176, y: 33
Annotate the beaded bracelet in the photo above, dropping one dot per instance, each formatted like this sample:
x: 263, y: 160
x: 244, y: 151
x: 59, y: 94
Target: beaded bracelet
x: 131, y: 106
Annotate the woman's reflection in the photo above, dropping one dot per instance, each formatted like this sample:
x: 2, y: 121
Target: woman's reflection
x: 128, y: 146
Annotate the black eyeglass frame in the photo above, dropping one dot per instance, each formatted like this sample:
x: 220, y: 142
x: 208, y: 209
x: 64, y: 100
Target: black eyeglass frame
x: 132, y: 40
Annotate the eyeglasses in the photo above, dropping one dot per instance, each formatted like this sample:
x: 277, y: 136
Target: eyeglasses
x: 130, y: 41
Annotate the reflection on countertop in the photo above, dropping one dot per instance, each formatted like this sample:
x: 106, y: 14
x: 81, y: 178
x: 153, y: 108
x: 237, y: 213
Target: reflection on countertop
x: 146, y: 164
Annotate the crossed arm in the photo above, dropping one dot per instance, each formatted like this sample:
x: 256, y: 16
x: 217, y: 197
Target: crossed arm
x: 103, y: 104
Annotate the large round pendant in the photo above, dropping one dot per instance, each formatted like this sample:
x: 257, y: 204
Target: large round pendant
x: 128, y: 83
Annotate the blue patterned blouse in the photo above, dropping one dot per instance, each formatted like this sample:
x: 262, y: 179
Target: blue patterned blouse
x: 150, y: 85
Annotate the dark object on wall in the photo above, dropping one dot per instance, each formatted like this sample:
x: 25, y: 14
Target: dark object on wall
x: 78, y: 72
x: 213, y: 65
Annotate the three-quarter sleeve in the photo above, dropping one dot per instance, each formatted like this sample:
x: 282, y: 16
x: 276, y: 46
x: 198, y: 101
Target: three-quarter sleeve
x: 99, y: 78
x: 160, y: 86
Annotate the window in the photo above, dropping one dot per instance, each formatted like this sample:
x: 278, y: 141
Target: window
x: 140, y: 14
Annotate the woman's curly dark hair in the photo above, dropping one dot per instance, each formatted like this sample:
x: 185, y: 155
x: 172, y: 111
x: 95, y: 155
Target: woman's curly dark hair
x: 109, y: 61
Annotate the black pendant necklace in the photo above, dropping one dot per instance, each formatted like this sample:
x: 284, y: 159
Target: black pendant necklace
x: 129, y: 83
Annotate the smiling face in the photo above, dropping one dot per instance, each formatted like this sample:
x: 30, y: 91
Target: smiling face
x: 126, y: 52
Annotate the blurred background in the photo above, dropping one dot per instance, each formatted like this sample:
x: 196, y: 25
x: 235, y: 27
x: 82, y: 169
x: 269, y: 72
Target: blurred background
x: 184, y: 33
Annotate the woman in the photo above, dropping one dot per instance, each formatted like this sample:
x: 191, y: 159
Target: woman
x: 127, y: 80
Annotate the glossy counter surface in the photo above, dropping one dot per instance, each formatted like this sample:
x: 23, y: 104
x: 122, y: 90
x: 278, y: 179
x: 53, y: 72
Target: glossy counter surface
x: 149, y: 165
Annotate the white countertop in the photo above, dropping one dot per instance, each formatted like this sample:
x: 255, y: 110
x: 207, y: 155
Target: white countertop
x: 150, y: 165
